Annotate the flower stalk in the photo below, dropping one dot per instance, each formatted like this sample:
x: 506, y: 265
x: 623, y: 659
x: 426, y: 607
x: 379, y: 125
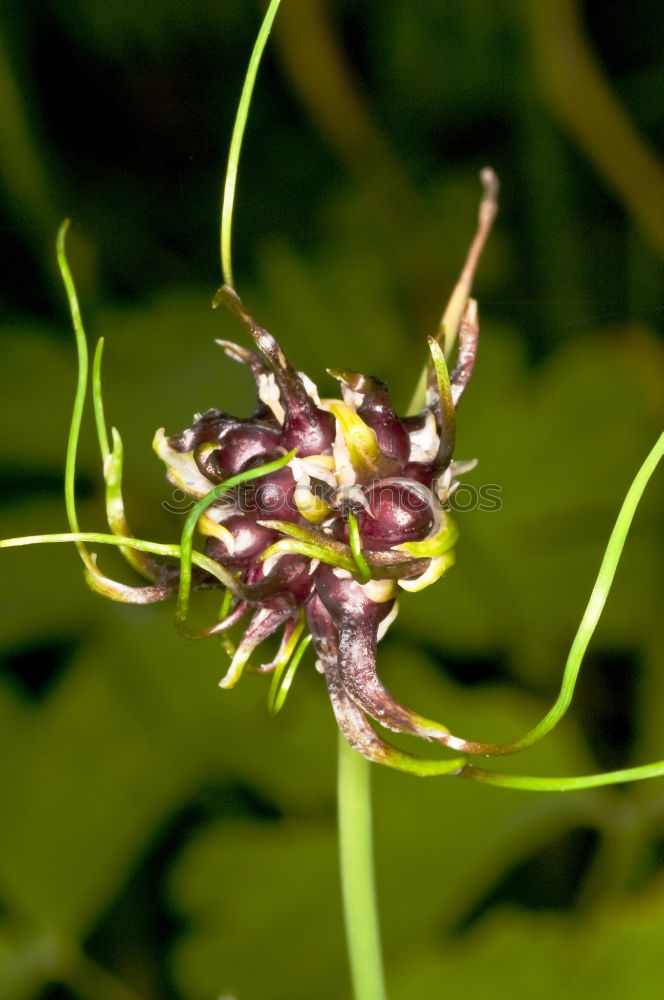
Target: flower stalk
x: 356, y: 862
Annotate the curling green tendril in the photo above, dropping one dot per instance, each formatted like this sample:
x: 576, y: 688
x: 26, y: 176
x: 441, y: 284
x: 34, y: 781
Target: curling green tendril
x: 131, y: 547
x: 236, y: 142
x: 574, y: 784
x: 79, y: 397
x: 598, y: 597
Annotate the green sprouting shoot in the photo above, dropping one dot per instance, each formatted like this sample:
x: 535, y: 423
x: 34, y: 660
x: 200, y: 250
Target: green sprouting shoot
x: 224, y: 638
x: 306, y: 541
x: 362, y: 570
x: 279, y: 698
x: 98, y: 402
x: 112, y: 460
x: 115, y: 511
x: 236, y: 142
x: 312, y: 550
x: 285, y: 667
x: 448, y: 411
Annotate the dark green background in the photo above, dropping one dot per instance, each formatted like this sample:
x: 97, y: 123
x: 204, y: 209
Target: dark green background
x: 160, y: 838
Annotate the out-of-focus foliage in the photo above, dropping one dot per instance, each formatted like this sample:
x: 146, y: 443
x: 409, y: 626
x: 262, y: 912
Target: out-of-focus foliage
x: 160, y: 839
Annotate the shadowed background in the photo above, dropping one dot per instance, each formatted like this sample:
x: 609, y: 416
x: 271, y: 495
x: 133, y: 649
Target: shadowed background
x: 161, y: 839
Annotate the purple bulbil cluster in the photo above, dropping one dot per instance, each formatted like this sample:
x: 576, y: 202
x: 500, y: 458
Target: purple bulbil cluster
x: 355, y: 516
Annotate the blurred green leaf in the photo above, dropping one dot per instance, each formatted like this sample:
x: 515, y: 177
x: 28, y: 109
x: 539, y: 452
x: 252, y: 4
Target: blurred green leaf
x: 613, y: 955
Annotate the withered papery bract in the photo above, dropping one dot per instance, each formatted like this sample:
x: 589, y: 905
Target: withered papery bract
x: 356, y: 516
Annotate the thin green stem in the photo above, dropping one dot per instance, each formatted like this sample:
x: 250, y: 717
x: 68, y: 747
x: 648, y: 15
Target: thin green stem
x: 536, y: 784
x: 357, y: 874
x: 236, y: 142
x: 156, y: 548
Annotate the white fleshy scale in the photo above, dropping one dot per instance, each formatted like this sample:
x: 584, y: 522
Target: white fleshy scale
x: 302, y: 494
x: 220, y: 511
x: 351, y: 397
x: 268, y: 393
x: 353, y: 495
x: 182, y: 470
x: 386, y: 622
x: 343, y: 467
x: 461, y: 468
x: 379, y: 591
x: 313, y: 467
x: 207, y: 526
x: 271, y: 562
x: 425, y: 441
x: 341, y: 574
x: 447, y: 483
x: 436, y: 568
x: 311, y: 387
